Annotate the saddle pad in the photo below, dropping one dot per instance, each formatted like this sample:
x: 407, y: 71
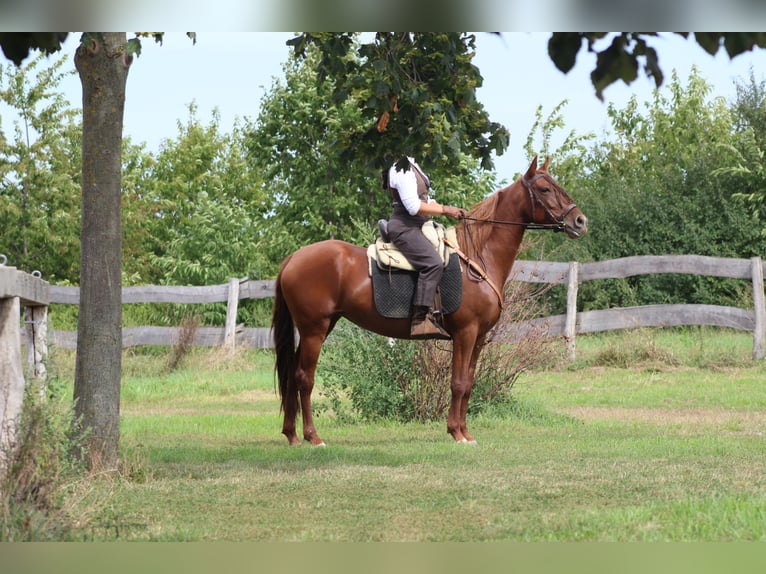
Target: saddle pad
x: 393, y: 289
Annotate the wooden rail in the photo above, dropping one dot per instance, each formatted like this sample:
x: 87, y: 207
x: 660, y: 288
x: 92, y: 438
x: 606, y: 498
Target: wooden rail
x: 230, y: 335
x: 567, y: 325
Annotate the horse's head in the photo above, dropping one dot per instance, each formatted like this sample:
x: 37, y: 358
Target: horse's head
x: 551, y: 205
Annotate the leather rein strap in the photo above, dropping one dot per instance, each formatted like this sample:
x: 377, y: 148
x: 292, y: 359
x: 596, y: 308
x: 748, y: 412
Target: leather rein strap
x: 473, y: 265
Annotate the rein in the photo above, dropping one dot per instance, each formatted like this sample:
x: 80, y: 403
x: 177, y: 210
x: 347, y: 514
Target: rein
x: 552, y: 226
x: 473, y: 265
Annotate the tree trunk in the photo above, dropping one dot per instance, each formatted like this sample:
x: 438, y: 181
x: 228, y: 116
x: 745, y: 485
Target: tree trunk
x: 103, y: 67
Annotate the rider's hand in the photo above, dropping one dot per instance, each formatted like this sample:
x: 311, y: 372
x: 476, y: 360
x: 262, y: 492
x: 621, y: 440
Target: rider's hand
x: 453, y: 212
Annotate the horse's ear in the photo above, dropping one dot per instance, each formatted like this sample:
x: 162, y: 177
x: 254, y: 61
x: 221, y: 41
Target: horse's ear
x: 546, y: 164
x: 532, y: 169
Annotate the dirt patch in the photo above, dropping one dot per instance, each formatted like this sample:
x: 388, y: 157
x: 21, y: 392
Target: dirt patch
x: 743, y: 420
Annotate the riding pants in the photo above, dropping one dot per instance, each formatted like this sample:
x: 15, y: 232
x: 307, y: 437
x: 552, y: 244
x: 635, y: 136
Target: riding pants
x: 406, y: 235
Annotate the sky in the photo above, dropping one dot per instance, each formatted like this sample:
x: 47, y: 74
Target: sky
x: 231, y: 72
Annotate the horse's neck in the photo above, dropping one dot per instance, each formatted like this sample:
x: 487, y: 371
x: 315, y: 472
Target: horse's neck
x: 499, y: 251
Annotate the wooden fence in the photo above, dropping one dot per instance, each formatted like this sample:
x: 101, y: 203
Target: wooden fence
x: 567, y: 325
x: 671, y: 315
x: 19, y: 289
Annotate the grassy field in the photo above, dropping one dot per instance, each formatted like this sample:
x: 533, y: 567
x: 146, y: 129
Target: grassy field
x: 649, y: 436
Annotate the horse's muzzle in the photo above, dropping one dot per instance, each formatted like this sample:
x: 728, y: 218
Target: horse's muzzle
x: 576, y: 224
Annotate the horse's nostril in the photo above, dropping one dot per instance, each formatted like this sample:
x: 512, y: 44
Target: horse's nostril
x: 581, y: 221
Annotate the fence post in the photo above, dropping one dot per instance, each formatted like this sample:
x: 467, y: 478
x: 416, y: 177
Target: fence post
x: 11, y: 377
x: 570, y: 327
x: 759, y: 324
x: 230, y: 333
x: 36, y: 327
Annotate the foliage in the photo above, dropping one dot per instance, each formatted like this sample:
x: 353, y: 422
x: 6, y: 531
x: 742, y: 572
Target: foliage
x: 747, y: 171
x: 311, y: 195
x: 200, y: 207
x: 313, y: 192
x: 416, y: 93
x: 198, y: 217
x: 620, y: 59
x: 40, y: 171
x: 16, y: 45
x: 653, y: 188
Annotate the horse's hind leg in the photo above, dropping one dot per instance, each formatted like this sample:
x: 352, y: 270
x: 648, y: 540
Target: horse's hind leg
x: 309, y: 349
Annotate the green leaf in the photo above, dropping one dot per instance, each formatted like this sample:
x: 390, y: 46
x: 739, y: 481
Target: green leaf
x: 612, y: 64
x: 736, y: 44
x: 709, y: 41
x: 563, y: 48
x: 133, y: 47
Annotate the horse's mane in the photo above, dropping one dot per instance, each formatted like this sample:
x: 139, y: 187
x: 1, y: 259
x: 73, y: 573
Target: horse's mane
x: 473, y: 234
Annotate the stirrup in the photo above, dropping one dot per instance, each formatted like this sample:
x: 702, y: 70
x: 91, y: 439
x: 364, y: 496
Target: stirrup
x: 428, y: 329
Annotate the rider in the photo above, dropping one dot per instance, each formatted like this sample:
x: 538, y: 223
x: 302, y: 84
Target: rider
x: 412, y: 208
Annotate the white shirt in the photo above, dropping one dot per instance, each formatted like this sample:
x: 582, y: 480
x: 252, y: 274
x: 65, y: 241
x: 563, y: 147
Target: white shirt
x: 406, y: 184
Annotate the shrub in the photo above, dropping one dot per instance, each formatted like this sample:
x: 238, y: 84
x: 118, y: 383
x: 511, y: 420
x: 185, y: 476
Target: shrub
x: 373, y: 377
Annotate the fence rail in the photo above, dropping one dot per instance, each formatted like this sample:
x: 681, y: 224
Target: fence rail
x: 567, y: 325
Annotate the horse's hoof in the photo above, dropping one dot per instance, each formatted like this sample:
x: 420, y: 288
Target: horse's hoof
x: 466, y: 441
x: 320, y: 444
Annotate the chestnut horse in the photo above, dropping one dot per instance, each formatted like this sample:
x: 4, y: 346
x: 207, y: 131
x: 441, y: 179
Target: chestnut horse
x: 322, y: 282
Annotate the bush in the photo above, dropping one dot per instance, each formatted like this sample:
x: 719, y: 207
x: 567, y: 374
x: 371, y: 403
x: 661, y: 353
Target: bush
x: 373, y: 377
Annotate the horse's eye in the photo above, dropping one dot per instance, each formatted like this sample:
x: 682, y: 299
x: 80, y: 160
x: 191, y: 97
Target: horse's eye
x: 545, y: 189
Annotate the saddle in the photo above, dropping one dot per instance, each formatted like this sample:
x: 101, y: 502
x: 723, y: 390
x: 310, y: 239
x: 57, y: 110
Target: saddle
x: 387, y: 256
x: 394, y: 278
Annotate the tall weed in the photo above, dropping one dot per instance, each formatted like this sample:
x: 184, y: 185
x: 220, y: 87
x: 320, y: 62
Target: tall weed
x: 43, y: 483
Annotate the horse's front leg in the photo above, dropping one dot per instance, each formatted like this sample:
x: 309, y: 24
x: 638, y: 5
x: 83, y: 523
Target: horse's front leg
x: 471, y: 377
x: 464, y: 357
x: 464, y: 360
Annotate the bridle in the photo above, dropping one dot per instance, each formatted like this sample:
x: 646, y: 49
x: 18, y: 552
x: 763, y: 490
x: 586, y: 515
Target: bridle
x: 559, y: 225
x: 534, y: 197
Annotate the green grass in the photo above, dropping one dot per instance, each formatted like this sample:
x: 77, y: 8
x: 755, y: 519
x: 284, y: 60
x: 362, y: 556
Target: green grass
x: 659, y: 450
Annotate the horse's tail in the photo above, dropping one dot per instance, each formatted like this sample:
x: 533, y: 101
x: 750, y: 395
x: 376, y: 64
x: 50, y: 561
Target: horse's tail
x: 286, y: 356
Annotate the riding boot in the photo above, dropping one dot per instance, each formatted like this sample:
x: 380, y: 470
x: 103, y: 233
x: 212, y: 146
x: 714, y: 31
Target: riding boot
x: 423, y: 325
